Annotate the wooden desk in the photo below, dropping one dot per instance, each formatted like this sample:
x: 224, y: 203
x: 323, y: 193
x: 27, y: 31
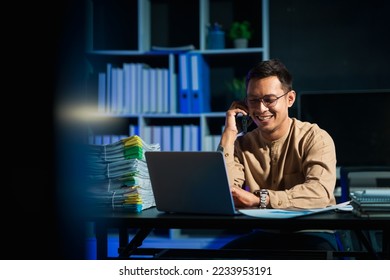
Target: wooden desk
x: 151, y: 218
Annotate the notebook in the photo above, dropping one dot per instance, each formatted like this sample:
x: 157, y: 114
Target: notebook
x: 190, y: 182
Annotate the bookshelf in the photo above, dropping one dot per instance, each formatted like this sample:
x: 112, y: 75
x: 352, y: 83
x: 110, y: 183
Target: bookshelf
x: 124, y: 32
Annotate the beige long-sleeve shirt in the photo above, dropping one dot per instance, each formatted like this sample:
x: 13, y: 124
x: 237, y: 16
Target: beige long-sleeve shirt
x: 299, y: 170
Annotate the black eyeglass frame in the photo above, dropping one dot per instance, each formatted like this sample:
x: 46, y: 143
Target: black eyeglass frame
x: 258, y: 100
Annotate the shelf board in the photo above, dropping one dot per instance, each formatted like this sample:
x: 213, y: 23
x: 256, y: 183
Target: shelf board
x: 142, y: 53
x: 231, y: 51
x: 152, y: 115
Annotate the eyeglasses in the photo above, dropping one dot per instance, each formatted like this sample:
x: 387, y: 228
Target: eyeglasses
x: 269, y: 100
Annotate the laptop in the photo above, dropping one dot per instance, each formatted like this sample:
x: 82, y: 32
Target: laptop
x: 190, y: 182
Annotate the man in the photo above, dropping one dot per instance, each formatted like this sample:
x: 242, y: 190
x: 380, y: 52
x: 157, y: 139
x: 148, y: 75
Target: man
x: 284, y: 162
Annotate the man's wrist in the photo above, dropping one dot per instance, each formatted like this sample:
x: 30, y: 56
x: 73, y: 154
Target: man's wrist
x: 262, y: 194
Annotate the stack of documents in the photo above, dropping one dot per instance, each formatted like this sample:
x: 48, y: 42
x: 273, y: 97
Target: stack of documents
x: 371, y: 203
x: 118, y: 175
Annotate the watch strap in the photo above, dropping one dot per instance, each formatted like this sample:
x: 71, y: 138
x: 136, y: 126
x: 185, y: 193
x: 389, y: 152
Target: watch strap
x: 262, y: 194
x: 263, y: 198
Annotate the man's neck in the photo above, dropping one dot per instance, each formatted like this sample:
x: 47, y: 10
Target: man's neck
x: 278, y: 133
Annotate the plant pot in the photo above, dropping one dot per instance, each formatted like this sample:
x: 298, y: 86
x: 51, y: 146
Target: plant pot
x: 241, y: 43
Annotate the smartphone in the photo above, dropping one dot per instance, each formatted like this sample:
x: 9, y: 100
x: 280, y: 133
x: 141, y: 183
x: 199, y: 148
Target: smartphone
x: 243, y: 123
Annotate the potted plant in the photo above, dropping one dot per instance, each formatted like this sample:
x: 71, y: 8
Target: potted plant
x: 237, y: 88
x: 240, y: 32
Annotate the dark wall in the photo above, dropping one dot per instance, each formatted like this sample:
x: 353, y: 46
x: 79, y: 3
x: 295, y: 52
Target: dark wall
x: 46, y: 64
x: 337, y: 46
x: 332, y: 44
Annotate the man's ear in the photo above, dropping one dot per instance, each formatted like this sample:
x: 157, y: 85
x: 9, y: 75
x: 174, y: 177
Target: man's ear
x: 291, y: 97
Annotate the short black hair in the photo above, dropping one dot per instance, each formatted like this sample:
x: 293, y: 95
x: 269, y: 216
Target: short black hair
x: 268, y: 68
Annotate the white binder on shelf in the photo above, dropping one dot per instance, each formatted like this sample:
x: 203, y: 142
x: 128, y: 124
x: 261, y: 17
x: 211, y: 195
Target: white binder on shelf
x: 108, y: 87
x: 119, y: 91
x: 177, y: 138
x: 145, y: 90
x: 102, y: 92
x: 166, y: 138
x: 114, y: 90
x: 153, y: 90
x: 126, y: 88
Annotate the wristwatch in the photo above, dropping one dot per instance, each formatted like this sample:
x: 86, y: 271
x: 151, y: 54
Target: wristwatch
x: 262, y: 193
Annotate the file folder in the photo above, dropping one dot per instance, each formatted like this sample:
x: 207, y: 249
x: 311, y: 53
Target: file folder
x: 184, y: 84
x: 200, y: 86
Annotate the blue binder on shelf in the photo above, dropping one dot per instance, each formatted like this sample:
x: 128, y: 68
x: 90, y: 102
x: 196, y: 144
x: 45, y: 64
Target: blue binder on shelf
x: 184, y: 84
x: 200, y: 84
x: 109, y: 87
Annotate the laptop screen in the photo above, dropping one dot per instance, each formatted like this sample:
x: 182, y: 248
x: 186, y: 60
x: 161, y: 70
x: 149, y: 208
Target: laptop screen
x: 190, y: 182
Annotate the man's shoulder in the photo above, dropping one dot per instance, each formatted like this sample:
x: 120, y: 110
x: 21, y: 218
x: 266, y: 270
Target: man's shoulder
x: 308, y: 128
x: 305, y: 126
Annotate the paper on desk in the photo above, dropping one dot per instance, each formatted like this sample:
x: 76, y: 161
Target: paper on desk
x: 285, y: 214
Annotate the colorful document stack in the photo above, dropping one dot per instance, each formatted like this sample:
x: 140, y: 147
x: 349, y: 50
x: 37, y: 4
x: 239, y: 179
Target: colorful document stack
x: 118, y: 175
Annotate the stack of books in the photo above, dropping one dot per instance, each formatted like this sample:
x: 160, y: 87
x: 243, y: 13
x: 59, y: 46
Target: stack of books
x: 118, y: 176
x: 371, y: 203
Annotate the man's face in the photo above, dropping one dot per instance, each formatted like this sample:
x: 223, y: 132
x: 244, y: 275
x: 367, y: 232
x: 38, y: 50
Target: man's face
x: 271, y: 117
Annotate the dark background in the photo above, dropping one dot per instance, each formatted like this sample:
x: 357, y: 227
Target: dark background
x: 326, y: 44
x: 332, y: 45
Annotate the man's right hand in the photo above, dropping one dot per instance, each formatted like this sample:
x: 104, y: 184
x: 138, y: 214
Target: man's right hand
x: 236, y: 108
